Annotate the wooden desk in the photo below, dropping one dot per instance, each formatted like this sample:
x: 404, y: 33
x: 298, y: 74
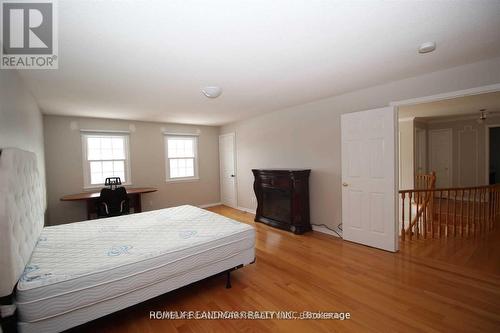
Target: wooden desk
x: 91, y: 197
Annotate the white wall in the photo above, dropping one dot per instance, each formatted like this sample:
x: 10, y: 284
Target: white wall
x: 21, y: 124
x: 308, y: 135
x: 63, y: 149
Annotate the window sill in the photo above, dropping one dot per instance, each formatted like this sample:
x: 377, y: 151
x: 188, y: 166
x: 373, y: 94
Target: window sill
x: 99, y: 186
x: 182, y: 180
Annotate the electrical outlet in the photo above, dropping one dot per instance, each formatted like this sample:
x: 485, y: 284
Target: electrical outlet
x: 150, y: 203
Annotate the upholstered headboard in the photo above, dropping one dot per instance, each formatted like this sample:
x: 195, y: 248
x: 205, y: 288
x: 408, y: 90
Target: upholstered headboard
x: 22, y: 205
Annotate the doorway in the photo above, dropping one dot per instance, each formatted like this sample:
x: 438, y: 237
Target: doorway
x: 493, y: 155
x: 440, y: 142
x: 420, y: 150
x: 227, y: 164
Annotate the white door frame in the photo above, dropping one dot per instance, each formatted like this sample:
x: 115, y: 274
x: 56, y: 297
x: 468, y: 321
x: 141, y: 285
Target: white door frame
x: 487, y: 151
x: 233, y: 134
x: 448, y: 95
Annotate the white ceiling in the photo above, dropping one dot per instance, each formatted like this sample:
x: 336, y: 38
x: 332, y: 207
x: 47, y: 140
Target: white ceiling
x: 456, y: 107
x: 147, y: 60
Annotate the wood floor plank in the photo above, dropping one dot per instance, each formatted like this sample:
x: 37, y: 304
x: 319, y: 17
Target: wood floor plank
x: 429, y: 286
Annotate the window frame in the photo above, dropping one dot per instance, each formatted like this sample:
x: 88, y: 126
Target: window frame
x: 195, y: 139
x: 86, y: 163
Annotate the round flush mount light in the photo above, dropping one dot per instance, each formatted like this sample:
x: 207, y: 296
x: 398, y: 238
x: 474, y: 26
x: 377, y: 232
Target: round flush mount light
x: 212, y: 91
x: 427, y: 47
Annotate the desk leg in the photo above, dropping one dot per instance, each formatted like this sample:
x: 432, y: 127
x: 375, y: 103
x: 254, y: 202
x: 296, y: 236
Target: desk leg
x: 89, y: 208
x: 137, y: 203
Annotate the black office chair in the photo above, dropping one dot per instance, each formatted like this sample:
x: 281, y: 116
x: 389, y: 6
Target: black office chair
x: 113, y: 202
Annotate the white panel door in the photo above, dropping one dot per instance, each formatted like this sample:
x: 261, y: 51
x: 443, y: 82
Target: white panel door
x: 440, y: 156
x: 420, y: 151
x: 369, y: 175
x: 227, y: 163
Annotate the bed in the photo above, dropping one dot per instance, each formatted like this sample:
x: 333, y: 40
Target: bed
x: 62, y: 276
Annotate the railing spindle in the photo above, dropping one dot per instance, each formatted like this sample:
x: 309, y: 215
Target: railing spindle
x: 483, y: 217
x: 440, y: 198
x: 424, y: 217
x: 417, y: 229
x: 447, y: 212
x: 474, y: 212
x: 494, y: 208
x: 488, y: 223
x: 481, y: 221
x: 467, y: 228
x: 462, y: 214
x: 431, y: 215
x: 455, y: 212
x: 403, y: 232
x: 409, y: 215
x: 485, y: 210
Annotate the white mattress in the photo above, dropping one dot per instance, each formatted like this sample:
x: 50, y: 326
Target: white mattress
x: 79, y: 265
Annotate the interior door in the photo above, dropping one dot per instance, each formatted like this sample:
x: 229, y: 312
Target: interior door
x: 440, y: 156
x: 420, y: 151
x: 227, y: 164
x: 369, y: 174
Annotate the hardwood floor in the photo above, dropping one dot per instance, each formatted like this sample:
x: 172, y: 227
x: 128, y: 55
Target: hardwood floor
x: 444, y: 286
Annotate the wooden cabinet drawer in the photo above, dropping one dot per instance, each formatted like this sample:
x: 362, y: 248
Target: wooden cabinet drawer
x: 276, y: 182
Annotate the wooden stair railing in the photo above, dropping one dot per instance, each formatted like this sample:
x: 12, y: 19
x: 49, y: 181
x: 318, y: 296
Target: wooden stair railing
x: 422, y: 200
x: 425, y: 181
x: 449, y: 212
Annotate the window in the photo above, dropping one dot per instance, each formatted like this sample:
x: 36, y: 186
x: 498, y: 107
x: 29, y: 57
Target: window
x: 182, y: 157
x: 105, y: 155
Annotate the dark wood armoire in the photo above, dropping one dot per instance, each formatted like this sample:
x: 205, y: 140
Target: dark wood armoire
x: 283, y: 198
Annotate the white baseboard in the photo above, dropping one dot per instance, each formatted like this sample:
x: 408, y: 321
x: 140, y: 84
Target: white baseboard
x: 322, y: 229
x: 248, y: 210
x: 319, y: 228
x: 210, y: 205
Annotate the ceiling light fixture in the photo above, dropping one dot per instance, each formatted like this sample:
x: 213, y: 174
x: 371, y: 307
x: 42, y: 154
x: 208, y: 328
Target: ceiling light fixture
x: 212, y: 91
x: 427, y: 47
x: 483, y: 116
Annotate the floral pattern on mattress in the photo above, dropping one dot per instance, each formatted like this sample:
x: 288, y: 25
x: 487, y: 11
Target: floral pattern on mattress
x: 71, y: 250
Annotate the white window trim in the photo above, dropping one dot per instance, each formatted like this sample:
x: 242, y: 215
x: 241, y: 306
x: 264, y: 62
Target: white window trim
x: 167, y: 164
x: 86, y: 165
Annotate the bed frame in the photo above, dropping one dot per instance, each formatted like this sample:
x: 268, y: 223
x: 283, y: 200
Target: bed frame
x: 22, y: 210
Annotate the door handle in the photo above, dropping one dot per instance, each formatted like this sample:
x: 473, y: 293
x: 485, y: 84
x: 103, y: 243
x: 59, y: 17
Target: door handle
x: 232, y: 176
x: 345, y: 184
